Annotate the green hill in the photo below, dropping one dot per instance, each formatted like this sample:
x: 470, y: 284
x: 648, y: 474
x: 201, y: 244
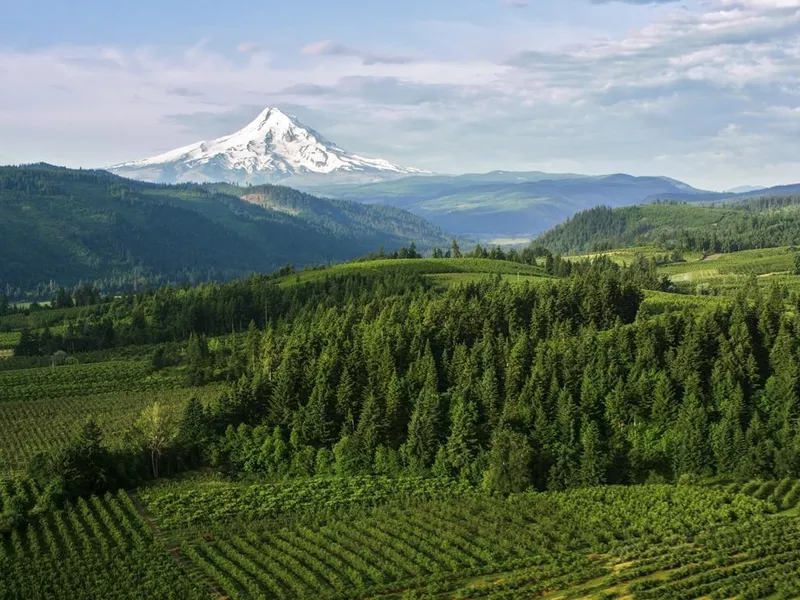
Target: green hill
x: 440, y: 270
x: 742, y: 225
x: 63, y: 226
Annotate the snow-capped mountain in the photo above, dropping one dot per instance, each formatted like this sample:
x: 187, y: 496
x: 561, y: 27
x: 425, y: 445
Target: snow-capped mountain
x: 275, y: 147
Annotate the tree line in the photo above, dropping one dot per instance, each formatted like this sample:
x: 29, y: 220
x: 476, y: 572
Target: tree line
x: 758, y: 223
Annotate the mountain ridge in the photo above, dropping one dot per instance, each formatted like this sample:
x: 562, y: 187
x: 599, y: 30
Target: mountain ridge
x: 69, y: 225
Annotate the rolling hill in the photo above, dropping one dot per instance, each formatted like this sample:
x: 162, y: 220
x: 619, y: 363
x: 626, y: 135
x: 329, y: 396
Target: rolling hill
x: 63, y: 226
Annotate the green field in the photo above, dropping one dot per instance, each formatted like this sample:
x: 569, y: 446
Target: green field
x: 67, y: 381
x: 442, y: 269
x: 8, y: 340
x: 721, y: 273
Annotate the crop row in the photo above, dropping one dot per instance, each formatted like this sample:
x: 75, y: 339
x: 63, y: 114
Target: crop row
x: 81, y: 380
x: 785, y: 494
x: 434, y: 545
x: 32, y: 427
x: 183, y: 505
x: 98, y: 548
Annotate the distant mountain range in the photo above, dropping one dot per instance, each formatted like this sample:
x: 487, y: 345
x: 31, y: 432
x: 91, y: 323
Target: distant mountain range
x: 274, y: 147
x: 742, y: 189
x: 66, y: 226
x: 504, y: 203
x: 277, y: 147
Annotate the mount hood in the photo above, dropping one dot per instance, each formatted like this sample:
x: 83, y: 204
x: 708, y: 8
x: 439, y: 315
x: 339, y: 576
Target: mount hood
x: 274, y: 148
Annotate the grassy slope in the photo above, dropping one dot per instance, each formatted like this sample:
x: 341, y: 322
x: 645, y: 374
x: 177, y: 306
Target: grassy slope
x: 444, y: 269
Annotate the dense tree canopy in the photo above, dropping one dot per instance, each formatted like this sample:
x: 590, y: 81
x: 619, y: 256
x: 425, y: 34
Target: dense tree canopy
x: 758, y: 223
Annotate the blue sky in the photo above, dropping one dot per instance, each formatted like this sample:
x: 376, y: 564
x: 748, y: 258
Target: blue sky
x: 707, y: 91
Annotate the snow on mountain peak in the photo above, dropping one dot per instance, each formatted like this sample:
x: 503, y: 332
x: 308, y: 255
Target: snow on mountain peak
x: 272, y: 147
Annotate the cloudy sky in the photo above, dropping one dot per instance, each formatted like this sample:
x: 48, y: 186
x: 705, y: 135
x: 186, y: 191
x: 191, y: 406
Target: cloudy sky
x: 707, y: 91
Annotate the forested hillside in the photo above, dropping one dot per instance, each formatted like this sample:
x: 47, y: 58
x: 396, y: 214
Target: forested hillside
x: 63, y: 226
x: 553, y: 384
x: 741, y: 225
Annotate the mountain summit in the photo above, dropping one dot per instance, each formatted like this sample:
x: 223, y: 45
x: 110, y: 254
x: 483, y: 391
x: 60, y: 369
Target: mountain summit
x: 274, y: 147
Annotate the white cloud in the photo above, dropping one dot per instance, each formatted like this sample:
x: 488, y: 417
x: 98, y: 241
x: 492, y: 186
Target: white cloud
x: 331, y: 48
x: 249, y: 47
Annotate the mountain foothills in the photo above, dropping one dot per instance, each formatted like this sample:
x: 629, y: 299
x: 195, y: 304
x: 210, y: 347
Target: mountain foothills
x: 406, y: 428
x: 66, y: 225
x: 274, y: 147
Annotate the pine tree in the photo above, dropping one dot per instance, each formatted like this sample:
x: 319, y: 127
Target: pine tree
x: 396, y: 412
x: 516, y: 369
x: 193, y: 430
x: 727, y: 435
x: 563, y: 473
x: 665, y: 408
x: 422, y: 444
x: 28, y: 344
x: 760, y: 451
x: 489, y: 395
x: 691, y: 434
x: 286, y: 391
x: 197, y: 360
x: 370, y: 430
x: 347, y: 402
x: 593, y: 460
x: 462, y: 443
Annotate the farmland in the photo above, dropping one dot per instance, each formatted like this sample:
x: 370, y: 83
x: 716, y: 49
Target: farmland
x: 99, y: 548
x: 408, y: 429
x: 333, y: 538
x: 723, y: 274
x: 30, y: 427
